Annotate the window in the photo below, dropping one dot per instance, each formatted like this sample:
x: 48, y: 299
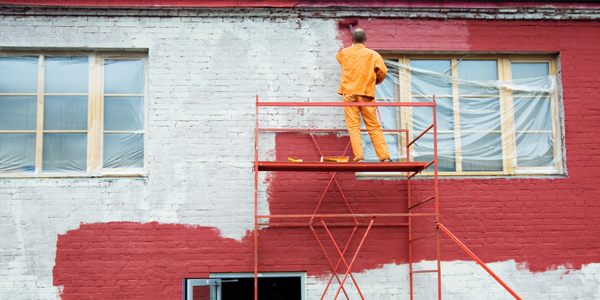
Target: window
x: 496, y: 114
x: 72, y: 114
x: 234, y: 286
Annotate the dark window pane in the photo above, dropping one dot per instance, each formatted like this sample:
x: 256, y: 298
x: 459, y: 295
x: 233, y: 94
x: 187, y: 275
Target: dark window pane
x: 201, y: 293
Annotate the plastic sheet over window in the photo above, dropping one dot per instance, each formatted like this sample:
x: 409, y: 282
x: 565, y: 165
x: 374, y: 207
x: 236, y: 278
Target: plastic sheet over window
x: 123, y: 114
x: 18, y: 113
x: 485, y: 125
x: 123, y: 150
x: 65, y: 114
x: 18, y: 74
x: 68, y: 136
x: 65, y: 152
x: 17, y: 152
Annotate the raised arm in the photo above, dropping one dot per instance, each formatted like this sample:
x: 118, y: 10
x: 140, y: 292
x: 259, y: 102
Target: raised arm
x: 380, y: 70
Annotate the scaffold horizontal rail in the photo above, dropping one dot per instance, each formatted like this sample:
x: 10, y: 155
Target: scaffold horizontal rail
x: 341, y: 166
x: 303, y: 104
x: 348, y: 215
x: 349, y: 224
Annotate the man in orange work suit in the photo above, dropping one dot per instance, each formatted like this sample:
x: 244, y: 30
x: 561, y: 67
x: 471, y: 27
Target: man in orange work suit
x: 362, y: 69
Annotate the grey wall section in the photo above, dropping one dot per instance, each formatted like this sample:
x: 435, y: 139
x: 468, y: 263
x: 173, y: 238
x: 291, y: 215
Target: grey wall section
x: 204, y: 74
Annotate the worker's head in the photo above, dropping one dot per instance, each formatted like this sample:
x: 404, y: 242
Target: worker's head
x: 359, y: 36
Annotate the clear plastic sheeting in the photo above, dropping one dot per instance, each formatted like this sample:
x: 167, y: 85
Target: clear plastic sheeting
x: 123, y: 114
x: 18, y: 112
x: 124, y: 76
x: 19, y: 74
x: 17, y: 152
x: 123, y: 150
x: 66, y: 74
x: 484, y: 124
x: 65, y: 113
x: 49, y: 124
x: 65, y: 152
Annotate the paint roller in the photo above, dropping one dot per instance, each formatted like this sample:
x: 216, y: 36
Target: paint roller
x: 349, y: 23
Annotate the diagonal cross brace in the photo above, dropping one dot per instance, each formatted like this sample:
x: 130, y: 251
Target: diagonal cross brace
x: 348, y: 266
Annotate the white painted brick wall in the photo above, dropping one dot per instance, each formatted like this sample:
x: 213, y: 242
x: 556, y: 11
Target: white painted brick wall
x: 204, y: 74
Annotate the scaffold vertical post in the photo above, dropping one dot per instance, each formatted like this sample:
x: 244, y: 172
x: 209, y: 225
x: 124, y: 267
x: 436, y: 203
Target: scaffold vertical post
x: 256, y: 204
x: 437, y: 203
x: 408, y: 195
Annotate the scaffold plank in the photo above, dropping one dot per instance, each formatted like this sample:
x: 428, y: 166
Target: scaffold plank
x: 341, y: 166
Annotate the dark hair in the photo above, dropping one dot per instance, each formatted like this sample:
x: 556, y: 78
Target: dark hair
x: 359, y: 36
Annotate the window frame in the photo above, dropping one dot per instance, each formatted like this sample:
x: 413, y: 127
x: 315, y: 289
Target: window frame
x: 403, y: 93
x: 225, y: 276
x: 95, y: 118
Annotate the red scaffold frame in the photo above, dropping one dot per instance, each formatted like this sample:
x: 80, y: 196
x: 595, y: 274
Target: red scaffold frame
x: 410, y: 168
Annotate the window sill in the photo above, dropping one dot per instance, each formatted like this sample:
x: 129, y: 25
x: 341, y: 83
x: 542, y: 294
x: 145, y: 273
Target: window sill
x: 96, y: 174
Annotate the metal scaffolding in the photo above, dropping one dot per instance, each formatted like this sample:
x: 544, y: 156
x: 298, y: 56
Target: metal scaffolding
x: 326, y: 220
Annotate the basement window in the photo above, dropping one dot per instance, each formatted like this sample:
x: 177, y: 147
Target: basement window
x: 72, y: 114
x: 496, y: 114
x: 240, y: 286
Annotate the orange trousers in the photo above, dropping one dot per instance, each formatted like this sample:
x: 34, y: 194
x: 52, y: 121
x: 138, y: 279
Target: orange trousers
x: 369, y: 114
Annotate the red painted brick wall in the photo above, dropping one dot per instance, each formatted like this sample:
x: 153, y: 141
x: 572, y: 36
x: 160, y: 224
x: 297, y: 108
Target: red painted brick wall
x: 541, y: 222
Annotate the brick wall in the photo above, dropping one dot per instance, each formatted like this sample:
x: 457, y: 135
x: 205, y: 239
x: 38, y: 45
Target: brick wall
x: 136, y: 238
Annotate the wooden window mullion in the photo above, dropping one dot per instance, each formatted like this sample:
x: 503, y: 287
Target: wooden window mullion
x: 507, y: 125
x: 403, y: 114
x: 406, y: 120
x: 456, y: 117
x: 553, y: 70
x: 91, y: 145
x: 99, y: 120
x: 39, y: 136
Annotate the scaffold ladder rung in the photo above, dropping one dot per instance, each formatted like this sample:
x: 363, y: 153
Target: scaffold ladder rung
x: 424, y: 271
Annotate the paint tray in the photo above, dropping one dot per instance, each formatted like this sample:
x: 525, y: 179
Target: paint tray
x: 334, y: 159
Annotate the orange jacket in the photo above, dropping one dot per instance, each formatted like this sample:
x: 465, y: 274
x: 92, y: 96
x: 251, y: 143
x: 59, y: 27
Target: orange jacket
x: 362, y: 68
